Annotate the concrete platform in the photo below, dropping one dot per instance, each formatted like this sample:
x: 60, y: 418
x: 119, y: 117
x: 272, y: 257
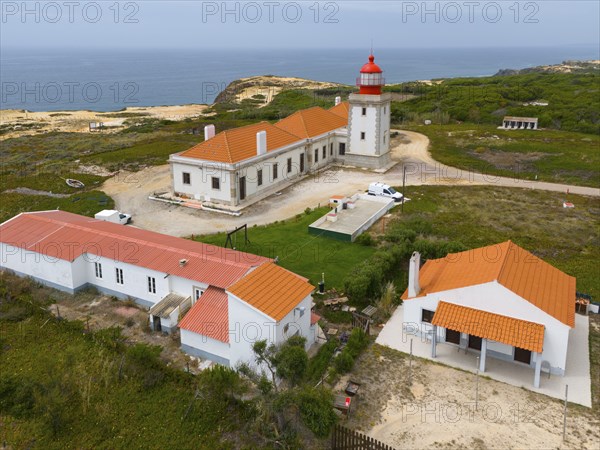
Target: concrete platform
x: 350, y: 223
x: 577, y: 374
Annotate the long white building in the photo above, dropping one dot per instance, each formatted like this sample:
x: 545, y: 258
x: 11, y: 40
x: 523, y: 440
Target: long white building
x: 222, y: 300
x: 245, y: 164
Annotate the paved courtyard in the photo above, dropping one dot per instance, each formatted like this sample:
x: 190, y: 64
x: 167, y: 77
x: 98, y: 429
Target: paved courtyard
x: 577, y: 374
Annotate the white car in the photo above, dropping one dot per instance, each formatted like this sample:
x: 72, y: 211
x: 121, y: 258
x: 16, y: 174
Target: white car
x: 383, y: 190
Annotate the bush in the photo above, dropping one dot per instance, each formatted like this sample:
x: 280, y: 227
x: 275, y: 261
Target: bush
x: 343, y: 363
x: 291, y: 362
x: 316, y: 410
x: 16, y: 397
x: 364, y: 239
x: 318, y: 364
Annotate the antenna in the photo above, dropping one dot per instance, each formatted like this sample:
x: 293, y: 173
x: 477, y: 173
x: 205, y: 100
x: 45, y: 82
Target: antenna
x: 371, y: 46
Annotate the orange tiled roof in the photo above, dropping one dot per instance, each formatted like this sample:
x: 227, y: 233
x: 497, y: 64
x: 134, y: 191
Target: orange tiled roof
x: 341, y: 109
x: 238, y: 144
x: 209, y: 316
x: 516, y: 269
x: 483, y: 324
x: 311, y: 122
x: 272, y: 289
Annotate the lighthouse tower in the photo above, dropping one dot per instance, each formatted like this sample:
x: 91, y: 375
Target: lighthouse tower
x: 369, y: 120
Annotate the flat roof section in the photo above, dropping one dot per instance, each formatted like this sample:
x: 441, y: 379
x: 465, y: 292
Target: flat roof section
x: 350, y: 223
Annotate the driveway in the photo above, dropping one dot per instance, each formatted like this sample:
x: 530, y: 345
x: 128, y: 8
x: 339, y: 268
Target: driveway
x: 410, y: 150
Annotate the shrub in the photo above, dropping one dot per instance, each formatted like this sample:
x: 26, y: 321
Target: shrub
x: 364, y: 239
x: 316, y: 409
x: 318, y: 364
x: 343, y: 363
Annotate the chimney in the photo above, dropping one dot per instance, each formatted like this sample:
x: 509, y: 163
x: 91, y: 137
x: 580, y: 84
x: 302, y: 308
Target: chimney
x: 209, y: 132
x: 182, y: 262
x: 338, y: 100
x: 413, y: 275
x: 261, y: 143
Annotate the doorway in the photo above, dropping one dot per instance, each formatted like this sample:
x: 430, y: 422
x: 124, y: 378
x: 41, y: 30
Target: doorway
x: 522, y: 355
x: 474, y: 342
x: 156, y: 323
x: 452, y: 336
x: 242, y: 188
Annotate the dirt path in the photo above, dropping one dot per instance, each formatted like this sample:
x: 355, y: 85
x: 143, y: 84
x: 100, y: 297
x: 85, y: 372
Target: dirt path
x: 410, y: 150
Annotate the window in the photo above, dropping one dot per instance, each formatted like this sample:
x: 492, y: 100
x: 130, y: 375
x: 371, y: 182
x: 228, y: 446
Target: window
x: 98, y: 268
x: 324, y: 151
x: 426, y: 315
x: 384, y: 138
x: 364, y: 111
x: 259, y: 177
x: 362, y: 135
x: 302, y: 163
x: 198, y: 293
x: 216, y: 183
x: 119, y: 273
x: 187, y: 179
x: 152, y: 285
x: 384, y: 110
x: 289, y: 165
x: 316, y: 155
x: 342, y: 148
x: 275, y: 175
x: 331, y: 149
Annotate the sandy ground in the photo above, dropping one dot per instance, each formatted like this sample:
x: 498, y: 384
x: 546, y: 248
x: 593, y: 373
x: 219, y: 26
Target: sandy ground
x: 78, y: 121
x: 438, y: 409
x: 131, y: 190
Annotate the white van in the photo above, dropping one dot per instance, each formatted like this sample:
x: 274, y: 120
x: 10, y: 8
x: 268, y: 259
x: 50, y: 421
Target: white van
x: 111, y: 215
x: 383, y: 190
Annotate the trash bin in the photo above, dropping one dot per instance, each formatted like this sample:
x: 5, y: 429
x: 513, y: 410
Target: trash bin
x: 321, y: 287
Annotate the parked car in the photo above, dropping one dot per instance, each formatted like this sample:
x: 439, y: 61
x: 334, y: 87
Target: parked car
x: 383, y: 190
x: 111, y: 215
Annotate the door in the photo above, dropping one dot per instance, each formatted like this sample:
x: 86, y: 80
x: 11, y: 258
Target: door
x: 342, y: 149
x: 522, y: 355
x: 156, y: 323
x: 452, y: 336
x: 474, y: 342
x: 242, y: 188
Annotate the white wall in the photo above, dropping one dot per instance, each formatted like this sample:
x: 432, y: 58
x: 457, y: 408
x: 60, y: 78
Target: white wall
x: 495, y: 298
x: 366, y: 124
x: 55, y: 272
x: 206, y: 346
x: 201, y: 175
x: 295, y: 323
x: 184, y: 287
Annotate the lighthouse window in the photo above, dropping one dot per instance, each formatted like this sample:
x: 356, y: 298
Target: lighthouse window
x: 362, y: 135
x: 385, y: 110
x: 364, y: 111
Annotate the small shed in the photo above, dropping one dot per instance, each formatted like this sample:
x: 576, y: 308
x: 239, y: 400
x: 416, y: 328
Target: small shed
x: 164, y: 315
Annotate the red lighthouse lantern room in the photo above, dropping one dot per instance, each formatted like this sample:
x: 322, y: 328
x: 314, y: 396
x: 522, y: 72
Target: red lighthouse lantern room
x: 371, y: 78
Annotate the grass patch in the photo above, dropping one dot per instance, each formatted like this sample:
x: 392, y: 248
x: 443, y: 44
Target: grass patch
x: 85, y: 203
x: 299, y: 252
x: 549, y: 155
x: 476, y: 216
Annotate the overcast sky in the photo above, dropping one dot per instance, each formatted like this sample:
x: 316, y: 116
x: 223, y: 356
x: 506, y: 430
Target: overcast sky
x: 312, y: 24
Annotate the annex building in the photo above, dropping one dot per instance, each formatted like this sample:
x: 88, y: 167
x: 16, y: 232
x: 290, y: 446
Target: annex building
x: 222, y: 300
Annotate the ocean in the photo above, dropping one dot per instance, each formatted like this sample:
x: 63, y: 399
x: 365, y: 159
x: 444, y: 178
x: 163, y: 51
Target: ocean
x: 110, y: 80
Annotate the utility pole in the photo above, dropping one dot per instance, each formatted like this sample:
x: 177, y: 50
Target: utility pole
x: 565, y: 413
x: 403, y: 186
x: 477, y: 385
x: 410, y: 364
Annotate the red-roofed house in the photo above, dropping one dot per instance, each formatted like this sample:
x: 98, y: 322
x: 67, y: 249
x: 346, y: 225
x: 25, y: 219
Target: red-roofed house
x: 499, y: 301
x: 245, y: 164
x: 222, y: 300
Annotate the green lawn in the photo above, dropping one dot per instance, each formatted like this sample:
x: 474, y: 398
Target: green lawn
x: 551, y: 155
x: 300, y: 252
x: 478, y: 216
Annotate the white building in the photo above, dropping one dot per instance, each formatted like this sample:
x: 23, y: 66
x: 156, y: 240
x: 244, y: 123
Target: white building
x: 236, y: 298
x: 498, y: 301
x: 519, y: 123
x: 245, y: 164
